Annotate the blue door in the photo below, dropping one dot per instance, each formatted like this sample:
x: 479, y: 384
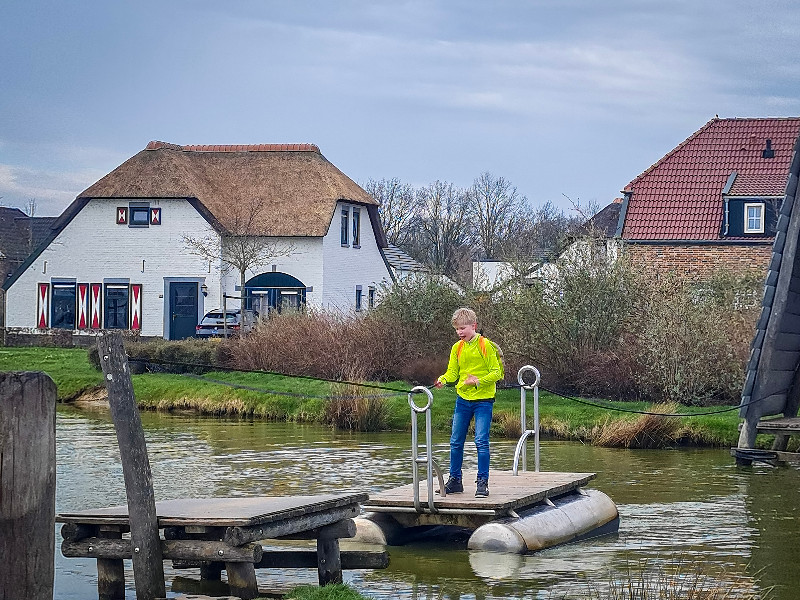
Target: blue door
x: 183, y: 309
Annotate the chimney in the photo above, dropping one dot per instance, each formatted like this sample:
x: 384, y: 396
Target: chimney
x: 768, y: 152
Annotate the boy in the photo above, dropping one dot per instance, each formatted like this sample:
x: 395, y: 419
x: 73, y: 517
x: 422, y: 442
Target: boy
x: 475, y: 368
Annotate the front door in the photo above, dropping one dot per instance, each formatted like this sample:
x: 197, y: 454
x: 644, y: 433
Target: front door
x: 182, y: 309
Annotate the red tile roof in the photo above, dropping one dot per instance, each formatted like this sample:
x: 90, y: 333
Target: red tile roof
x: 156, y: 145
x: 759, y: 185
x: 680, y: 196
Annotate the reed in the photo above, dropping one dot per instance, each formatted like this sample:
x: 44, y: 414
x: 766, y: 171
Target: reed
x: 645, y: 431
x: 353, y: 407
x: 675, y: 581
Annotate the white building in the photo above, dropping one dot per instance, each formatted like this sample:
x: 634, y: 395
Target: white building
x: 124, y: 254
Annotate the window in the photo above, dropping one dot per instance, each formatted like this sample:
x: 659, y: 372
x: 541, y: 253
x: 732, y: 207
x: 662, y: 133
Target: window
x: 754, y: 217
x: 371, y: 297
x: 345, y: 226
x: 356, y: 227
x: 116, y: 306
x: 139, y: 216
x: 63, y: 306
x: 359, y: 295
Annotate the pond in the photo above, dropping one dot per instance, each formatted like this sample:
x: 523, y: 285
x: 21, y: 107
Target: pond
x: 693, y: 507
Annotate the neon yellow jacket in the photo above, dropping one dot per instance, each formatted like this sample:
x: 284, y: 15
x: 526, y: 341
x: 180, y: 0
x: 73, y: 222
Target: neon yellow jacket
x: 473, y: 362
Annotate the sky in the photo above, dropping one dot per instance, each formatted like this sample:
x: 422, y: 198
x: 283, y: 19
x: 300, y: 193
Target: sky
x: 567, y: 99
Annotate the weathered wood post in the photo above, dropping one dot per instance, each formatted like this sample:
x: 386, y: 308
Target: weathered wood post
x: 27, y: 485
x: 148, y: 565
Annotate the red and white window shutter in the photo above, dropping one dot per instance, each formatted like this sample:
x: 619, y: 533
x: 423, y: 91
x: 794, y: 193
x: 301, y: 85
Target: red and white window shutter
x: 96, y: 306
x: 136, y: 307
x: 83, y: 306
x: 42, y: 305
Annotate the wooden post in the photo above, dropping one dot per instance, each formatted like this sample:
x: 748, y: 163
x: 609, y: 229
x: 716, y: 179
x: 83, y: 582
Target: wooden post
x: 329, y: 560
x: 27, y: 485
x: 148, y: 565
x: 110, y: 571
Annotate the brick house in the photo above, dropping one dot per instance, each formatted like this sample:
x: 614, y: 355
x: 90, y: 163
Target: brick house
x: 712, y: 201
x: 118, y: 256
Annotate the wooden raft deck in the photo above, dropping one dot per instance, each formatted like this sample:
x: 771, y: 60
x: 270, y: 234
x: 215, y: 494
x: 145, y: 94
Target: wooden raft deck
x: 217, y: 533
x: 507, y: 493
x: 222, y: 512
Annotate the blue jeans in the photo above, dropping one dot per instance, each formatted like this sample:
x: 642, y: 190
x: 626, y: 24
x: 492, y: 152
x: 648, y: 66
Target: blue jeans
x: 462, y: 415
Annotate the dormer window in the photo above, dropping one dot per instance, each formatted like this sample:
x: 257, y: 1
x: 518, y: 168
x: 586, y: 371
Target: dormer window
x: 753, y: 217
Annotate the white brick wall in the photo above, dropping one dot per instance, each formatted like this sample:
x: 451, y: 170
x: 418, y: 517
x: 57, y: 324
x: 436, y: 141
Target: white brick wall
x: 92, y: 247
x: 347, y: 267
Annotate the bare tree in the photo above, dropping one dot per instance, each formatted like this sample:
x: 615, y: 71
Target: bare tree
x: 498, y: 206
x: 30, y: 208
x: 444, y: 227
x: 240, y: 248
x: 397, y: 208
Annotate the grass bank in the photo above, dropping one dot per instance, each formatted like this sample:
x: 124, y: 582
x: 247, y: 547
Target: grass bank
x: 560, y: 417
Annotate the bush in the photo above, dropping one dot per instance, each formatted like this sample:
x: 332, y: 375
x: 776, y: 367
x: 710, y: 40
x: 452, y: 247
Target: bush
x: 571, y: 322
x: 691, y: 341
x: 323, y: 344
x: 180, y: 352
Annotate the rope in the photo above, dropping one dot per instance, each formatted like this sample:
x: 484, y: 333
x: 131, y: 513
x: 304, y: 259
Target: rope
x: 398, y: 392
x: 148, y: 361
x: 290, y: 394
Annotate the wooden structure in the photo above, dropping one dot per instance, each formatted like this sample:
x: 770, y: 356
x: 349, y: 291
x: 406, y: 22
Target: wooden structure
x: 27, y: 485
x: 772, y: 383
x: 212, y: 534
x: 219, y: 533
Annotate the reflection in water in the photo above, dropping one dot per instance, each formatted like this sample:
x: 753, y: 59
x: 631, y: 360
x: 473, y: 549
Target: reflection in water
x: 689, y: 505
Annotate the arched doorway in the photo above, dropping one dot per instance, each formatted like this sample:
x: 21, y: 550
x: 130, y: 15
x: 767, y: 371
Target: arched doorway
x: 274, y: 291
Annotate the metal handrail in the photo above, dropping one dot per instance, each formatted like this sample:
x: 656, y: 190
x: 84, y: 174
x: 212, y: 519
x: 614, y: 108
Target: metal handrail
x: 522, y: 445
x: 428, y: 461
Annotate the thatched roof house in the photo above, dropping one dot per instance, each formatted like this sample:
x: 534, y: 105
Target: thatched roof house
x: 148, y: 246
x: 296, y: 184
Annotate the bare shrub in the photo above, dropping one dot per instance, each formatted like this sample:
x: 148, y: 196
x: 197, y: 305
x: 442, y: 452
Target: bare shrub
x: 323, y: 344
x: 646, y: 431
x: 691, y: 340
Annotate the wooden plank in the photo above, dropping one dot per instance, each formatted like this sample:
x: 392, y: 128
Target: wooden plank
x: 148, y: 565
x: 27, y: 485
x: 307, y: 559
x: 241, y: 535
x: 198, y: 550
x: 222, y: 512
x: 789, y: 426
x: 507, y: 492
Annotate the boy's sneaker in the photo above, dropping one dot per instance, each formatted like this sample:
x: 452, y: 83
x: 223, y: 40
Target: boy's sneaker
x: 483, y: 487
x: 454, y: 485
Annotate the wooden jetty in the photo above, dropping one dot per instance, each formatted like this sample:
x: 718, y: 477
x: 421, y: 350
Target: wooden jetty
x: 523, y: 513
x: 772, y: 381
x: 219, y: 533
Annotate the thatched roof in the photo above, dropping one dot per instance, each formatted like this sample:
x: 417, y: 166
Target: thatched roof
x: 294, y: 185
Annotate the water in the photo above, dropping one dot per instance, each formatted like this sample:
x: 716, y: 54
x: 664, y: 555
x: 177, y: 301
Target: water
x: 689, y: 506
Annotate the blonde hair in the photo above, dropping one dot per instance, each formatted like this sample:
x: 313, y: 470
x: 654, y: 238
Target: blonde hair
x: 464, y: 316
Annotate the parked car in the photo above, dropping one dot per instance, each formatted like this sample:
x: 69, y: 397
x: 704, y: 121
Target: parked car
x: 213, y: 324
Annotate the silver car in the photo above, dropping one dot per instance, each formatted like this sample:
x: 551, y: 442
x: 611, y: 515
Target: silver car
x: 214, y: 324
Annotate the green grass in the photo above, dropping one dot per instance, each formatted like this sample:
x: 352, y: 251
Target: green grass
x: 329, y: 592
x: 560, y: 417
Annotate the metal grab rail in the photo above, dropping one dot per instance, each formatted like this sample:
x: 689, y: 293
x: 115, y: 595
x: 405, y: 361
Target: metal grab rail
x: 522, y: 445
x: 428, y: 461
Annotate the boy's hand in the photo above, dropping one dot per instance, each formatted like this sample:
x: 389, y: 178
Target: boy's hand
x: 472, y: 380
x: 438, y: 384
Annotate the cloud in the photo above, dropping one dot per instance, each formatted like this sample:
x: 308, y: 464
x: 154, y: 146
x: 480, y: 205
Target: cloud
x: 52, y: 190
